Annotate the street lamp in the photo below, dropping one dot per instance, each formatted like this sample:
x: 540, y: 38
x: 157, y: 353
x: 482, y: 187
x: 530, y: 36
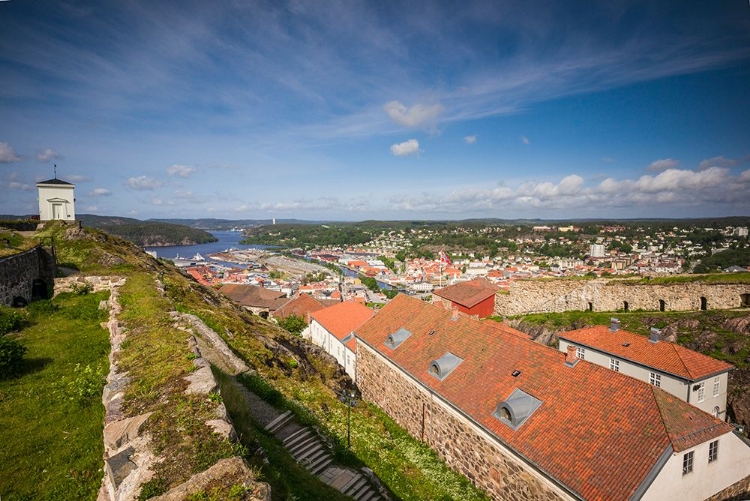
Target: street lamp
x: 349, y: 400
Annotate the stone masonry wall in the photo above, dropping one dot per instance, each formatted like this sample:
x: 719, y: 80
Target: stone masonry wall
x: 462, y: 446
x: 542, y: 296
x: 736, y: 492
x: 18, y: 272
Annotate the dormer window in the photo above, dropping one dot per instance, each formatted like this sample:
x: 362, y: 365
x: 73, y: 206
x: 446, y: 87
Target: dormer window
x: 518, y: 407
x: 444, y: 365
x: 394, y: 340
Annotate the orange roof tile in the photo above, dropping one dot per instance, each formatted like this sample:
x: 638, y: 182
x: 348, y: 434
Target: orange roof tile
x: 598, y: 432
x: 663, y: 356
x: 301, y: 305
x: 342, y: 318
x: 469, y: 293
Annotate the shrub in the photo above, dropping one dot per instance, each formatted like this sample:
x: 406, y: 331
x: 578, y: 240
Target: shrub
x: 11, y: 356
x: 10, y: 320
x: 293, y: 323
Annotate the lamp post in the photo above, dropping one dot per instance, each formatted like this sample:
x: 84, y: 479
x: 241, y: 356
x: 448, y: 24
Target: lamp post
x: 349, y: 400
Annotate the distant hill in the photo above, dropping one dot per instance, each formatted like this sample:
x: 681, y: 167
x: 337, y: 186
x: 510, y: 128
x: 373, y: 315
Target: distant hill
x: 229, y: 224
x: 147, y: 233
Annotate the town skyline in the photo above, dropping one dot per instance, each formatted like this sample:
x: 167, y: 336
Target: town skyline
x: 350, y: 112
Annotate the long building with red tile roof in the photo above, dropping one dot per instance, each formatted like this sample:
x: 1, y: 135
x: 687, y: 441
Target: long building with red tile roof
x: 524, y: 421
x: 691, y: 376
x: 333, y: 328
x: 302, y: 305
x: 256, y: 299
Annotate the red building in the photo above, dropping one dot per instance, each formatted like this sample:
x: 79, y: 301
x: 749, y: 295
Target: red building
x: 475, y: 297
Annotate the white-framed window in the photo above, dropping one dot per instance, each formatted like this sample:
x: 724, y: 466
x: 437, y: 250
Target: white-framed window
x: 713, y: 451
x: 701, y: 391
x: 654, y: 379
x: 614, y: 364
x: 717, y: 384
x: 581, y: 353
x: 687, y: 463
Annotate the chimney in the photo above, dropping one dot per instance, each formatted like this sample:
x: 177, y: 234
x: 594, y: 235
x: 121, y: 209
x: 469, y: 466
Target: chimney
x: 614, y: 325
x: 454, y: 313
x: 655, y: 335
x: 571, y: 357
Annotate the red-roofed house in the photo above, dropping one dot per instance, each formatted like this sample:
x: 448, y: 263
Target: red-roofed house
x: 303, y: 306
x: 475, y: 297
x: 333, y: 328
x: 689, y: 375
x: 524, y: 421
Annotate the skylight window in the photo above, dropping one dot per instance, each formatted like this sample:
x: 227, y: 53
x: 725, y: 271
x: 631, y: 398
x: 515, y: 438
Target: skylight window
x: 516, y: 409
x: 444, y: 365
x: 394, y: 340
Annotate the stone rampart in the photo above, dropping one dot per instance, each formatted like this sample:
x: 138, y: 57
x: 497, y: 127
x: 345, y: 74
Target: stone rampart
x: 461, y: 444
x: 19, y: 272
x: 550, y: 295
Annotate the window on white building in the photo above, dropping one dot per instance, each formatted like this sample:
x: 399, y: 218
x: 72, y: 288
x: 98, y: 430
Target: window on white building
x: 701, y: 391
x: 614, y: 364
x: 713, y: 451
x: 655, y: 379
x: 581, y: 353
x: 716, y: 386
x: 687, y: 463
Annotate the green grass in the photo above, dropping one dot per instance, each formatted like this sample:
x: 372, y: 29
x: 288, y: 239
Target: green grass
x: 52, y: 415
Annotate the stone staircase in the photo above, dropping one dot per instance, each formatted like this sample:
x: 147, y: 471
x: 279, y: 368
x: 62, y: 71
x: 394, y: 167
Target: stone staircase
x: 309, y: 450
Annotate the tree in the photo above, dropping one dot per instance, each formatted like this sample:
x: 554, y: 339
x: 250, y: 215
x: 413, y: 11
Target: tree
x: 293, y: 323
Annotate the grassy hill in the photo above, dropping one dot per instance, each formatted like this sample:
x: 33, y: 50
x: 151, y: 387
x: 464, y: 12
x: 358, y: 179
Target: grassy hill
x: 147, y: 233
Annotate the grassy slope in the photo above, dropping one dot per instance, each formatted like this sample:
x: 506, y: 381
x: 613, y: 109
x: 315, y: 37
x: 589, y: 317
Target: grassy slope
x: 51, y: 431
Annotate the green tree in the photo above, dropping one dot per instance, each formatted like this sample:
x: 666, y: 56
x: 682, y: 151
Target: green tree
x: 293, y: 323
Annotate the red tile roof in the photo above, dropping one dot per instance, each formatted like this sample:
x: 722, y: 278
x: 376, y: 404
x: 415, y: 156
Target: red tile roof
x: 343, y: 318
x: 301, y: 305
x: 251, y: 295
x: 598, y: 432
x: 469, y: 293
x: 662, y: 356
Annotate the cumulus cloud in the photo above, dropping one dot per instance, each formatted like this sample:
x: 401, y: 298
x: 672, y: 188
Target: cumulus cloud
x: 180, y: 170
x: 716, y: 162
x: 143, y: 183
x: 48, y: 154
x: 525, y: 140
x: 470, y: 139
x: 100, y: 192
x: 676, y: 190
x: 15, y: 185
x: 663, y: 164
x: 416, y: 116
x: 7, y: 155
x: 77, y: 178
x: 406, y: 148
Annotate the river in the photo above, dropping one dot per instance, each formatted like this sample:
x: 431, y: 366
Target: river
x: 227, y: 239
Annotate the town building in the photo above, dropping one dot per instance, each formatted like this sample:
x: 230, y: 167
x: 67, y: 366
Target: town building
x: 258, y: 300
x: 475, y: 297
x: 333, y: 328
x: 302, y: 305
x: 56, y: 200
x: 691, y: 376
x: 596, y: 250
x: 526, y: 422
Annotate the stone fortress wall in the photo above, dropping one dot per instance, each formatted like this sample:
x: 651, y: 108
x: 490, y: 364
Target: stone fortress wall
x: 18, y: 273
x: 552, y: 295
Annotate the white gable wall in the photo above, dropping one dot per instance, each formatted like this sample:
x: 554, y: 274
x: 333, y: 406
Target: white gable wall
x: 706, y: 479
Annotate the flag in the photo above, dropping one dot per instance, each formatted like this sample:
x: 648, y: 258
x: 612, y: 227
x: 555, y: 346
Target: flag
x: 444, y: 258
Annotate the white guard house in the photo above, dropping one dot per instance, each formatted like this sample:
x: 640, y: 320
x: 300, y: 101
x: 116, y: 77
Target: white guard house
x: 56, y: 200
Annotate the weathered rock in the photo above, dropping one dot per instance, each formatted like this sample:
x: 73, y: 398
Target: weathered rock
x: 201, y: 382
x: 123, y: 431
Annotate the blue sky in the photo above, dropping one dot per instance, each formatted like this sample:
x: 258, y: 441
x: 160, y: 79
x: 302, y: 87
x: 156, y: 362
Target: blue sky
x: 378, y: 110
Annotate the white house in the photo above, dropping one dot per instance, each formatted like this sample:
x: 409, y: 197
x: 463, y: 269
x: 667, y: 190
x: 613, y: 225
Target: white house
x: 332, y: 329
x: 695, y: 378
x: 56, y: 200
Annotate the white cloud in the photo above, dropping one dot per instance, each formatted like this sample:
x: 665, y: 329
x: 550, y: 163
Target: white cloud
x: 716, y: 162
x: 92, y: 208
x: 608, y: 160
x: 180, y: 170
x: 7, y: 155
x: 15, y: 185
x: 664, y: 164
x: 156, y: 201
x: 525, y: 140
x: 143, y: 183
x: 48, y: 154
x: 406, y: 148
x: 100, y: 192
x: 470, y: 139
x: 416, y: 116
x: 77, y: 178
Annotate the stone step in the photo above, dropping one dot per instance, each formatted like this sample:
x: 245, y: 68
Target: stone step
x: 312, y: 460
x: 307, y: 450
x: 321, y: 464
x: 352, y: 488
x: 361, y: 493
x: 296, y: 437
x: 369, y: 495
x: 350, y: 484
x: 279, y: 422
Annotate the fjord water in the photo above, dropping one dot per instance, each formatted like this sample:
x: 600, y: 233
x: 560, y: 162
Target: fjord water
x: 227, y: 239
